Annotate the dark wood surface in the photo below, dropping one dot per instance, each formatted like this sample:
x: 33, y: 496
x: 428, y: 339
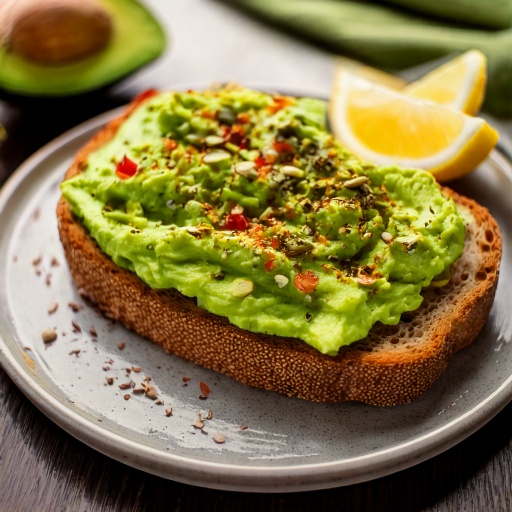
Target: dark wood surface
x: 42, y: 468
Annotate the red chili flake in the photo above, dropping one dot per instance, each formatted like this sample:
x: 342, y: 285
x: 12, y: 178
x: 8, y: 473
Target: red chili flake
x: 290, y: 213
x: 144, y: 95
x: 185, y: 379
x: 275, y: 242
x: 170, y: 144
x: 306, y: 282
x: 207, y: 114
x: 126, y: 168
x: 283, y: 147
x: 243, y: 427
x: 236, y: 134
x: 243, y: 118
x: 205, y: 389
x: 260, y: 161
x: 121, y: 346
x: 244, y: 143
x: 279, y: 103
x: 236, y: 222
x: 270, y: 264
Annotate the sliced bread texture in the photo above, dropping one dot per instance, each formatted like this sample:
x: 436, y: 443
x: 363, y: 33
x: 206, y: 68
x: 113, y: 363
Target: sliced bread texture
x: 391, y: 366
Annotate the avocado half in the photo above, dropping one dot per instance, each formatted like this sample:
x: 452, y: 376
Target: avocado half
x: 137, y: 39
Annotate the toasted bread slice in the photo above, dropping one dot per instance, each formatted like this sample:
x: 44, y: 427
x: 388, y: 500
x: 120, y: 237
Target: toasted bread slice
x: 392, y: 365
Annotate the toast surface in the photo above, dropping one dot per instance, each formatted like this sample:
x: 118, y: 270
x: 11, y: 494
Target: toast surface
x: 392, y: 365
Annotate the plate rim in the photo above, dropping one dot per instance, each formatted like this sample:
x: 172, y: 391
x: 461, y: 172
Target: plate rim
x: 234, y: 477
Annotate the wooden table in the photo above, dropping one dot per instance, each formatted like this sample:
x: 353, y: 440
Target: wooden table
x: 44, y: 468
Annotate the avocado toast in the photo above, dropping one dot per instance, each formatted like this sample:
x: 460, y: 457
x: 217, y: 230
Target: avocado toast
x: 391, y: 365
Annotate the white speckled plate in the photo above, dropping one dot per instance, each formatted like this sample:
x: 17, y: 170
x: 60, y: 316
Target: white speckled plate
x: 289, y: 444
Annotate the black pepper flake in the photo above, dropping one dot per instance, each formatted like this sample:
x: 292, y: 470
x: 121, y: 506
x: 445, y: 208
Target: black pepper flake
x: 76, y: 327
x: 110, y: 381
x: 121, y: 346
x: 309, y: 316
x: 75, y: 352
x: 149, y: 247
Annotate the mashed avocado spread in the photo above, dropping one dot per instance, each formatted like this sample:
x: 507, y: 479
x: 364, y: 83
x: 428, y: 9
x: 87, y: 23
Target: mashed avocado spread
x: 245, y: 201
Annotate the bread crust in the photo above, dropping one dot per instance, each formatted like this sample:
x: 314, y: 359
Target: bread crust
x: 391, y: 366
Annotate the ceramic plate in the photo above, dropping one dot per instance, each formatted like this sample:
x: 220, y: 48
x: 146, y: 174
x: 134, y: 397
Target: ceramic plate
x: 272, y: 443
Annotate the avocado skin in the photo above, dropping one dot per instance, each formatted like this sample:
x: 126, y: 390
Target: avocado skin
x: 138, y: 39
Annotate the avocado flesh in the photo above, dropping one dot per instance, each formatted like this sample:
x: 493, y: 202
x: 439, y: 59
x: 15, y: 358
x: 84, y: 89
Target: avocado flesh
x: 137, y: 40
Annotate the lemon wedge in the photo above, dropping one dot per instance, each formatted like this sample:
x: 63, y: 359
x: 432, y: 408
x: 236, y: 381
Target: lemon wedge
x: 460, y: 83
x: 389, y: 127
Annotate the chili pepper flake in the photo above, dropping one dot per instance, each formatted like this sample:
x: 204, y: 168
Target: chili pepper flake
x: 260, y: 161
x: 280, y: 102
x: 170, y: 144
x: 236, y: 222
x: 126, y: 168
x: 306, y: 282
x: 270, y: 264
x: 283, y: 147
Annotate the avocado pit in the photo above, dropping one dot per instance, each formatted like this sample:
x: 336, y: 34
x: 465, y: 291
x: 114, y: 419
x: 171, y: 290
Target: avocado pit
x: 53, y: 32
